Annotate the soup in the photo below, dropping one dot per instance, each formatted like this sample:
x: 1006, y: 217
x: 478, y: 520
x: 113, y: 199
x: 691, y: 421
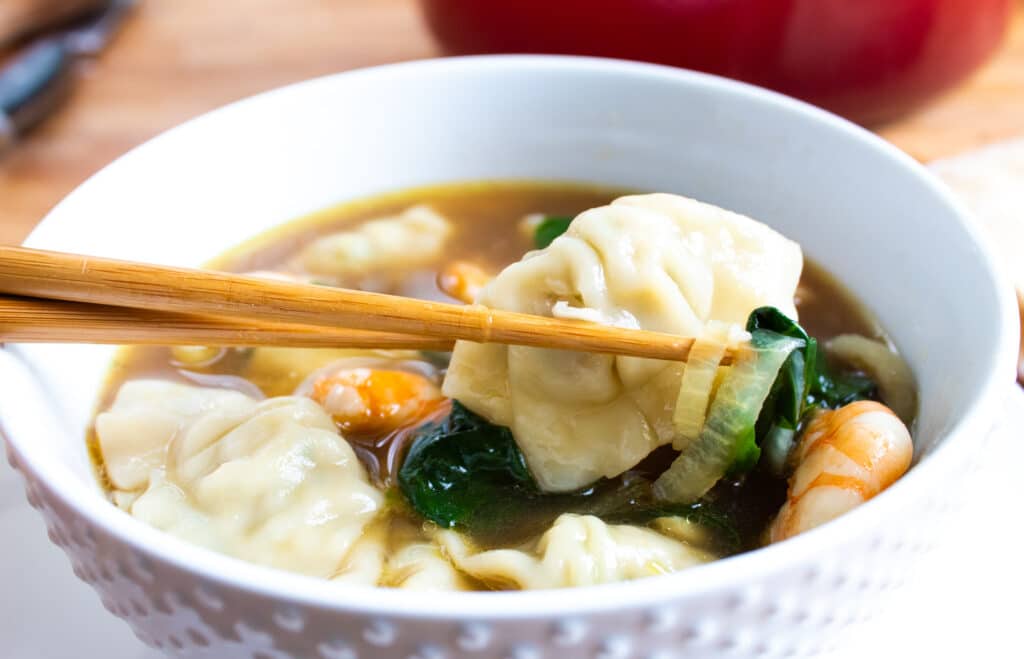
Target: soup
x: 506, y: 467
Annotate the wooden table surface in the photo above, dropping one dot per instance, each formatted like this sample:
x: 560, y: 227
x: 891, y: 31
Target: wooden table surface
x: 178, y: 58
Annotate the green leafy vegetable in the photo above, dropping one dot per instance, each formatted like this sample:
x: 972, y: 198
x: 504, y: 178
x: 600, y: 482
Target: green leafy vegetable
x: 631, y: 500
x: 550, y: 228
x: 456, y: 470
x: 780, y: 415
x: 804, y: 383
x: 831, y: 389
x: 727, y: 442
x: 469, y: 474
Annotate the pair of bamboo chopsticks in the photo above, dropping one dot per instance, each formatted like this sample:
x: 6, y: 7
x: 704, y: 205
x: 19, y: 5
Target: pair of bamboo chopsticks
x: 57, y: 298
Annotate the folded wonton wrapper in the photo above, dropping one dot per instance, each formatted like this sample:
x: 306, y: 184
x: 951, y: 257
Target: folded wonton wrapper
x: 657, y: 262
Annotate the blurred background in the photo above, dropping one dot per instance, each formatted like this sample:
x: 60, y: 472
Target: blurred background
x: 908, y: 68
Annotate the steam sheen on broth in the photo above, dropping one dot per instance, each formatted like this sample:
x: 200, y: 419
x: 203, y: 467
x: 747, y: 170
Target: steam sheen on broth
x: 348, y: 421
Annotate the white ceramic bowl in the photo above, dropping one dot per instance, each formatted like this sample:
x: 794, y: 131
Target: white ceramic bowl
x: 876, y: 218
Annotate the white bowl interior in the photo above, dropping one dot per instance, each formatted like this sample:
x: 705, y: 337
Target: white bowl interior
x: 865, y: 211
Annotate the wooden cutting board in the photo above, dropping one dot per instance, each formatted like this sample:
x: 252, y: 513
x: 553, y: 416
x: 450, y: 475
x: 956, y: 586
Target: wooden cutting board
x: 178, y: 58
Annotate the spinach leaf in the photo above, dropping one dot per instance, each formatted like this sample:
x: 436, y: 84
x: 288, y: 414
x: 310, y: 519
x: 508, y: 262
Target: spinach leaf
x: 469, y: 474
x: 736, y: 411
x: 550, y: 228
x: 781, y: 413
x: 630, y: 499
x: 464, y: 472
x: 832, y: 389
x: 458, y: 469
x: 804, y: 383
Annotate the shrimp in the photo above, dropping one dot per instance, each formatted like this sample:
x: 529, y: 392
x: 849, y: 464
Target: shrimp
x: 844, y: 458
x: 462, y: 280
x: 366, y: 401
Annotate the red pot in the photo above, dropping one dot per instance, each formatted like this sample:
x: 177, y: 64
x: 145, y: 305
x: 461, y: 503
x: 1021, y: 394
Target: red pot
x: 869, y: 60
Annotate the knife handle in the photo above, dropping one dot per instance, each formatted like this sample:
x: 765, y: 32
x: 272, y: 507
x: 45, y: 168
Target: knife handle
x: 32, y: 86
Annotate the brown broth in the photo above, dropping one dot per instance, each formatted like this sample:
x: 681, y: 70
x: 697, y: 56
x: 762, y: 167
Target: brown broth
x: 485, y: 216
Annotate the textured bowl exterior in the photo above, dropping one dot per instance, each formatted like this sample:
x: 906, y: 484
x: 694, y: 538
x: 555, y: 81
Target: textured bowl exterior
x: 804, y: 610
x: 799, y: 598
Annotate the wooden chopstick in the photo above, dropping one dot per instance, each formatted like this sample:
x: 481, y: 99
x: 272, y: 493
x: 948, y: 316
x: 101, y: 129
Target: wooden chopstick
x: 95, y: 280
x: 34, y: 320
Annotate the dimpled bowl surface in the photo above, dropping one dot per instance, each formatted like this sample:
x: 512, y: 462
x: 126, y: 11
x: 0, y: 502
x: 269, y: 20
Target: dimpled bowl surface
x: 878, y: 221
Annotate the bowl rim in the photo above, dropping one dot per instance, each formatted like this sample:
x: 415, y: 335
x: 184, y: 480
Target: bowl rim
x: 727, y: 573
